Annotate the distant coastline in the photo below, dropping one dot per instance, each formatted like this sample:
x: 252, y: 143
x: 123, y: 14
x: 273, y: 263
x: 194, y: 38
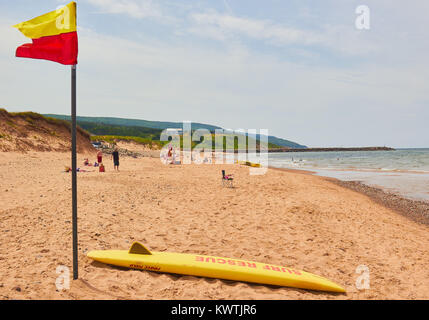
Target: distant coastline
x: 272, y: 150
x: 331, y: 149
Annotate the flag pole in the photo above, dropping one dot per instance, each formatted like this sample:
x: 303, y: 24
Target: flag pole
x: 74, y: 172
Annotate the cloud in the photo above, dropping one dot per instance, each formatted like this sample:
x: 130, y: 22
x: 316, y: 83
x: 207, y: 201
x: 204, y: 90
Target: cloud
x: 230, y: 25
x: 338, y: 38
x: 205, y: 22
x: 135, y: 9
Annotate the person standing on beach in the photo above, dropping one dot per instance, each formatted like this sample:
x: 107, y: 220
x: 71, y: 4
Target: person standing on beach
x: 115, y: 156
x: 99, y: 157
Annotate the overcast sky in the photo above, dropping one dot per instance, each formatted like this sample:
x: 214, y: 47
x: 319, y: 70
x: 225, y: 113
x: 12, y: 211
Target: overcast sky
x: 299, y: 68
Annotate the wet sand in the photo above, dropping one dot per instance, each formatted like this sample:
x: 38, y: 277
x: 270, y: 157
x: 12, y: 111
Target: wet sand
x: 417, y: 210
x: 283, y: 217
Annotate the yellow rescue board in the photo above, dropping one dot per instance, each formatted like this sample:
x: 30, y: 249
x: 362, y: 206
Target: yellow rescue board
x: 250, y: 164
x: 257, y: 165
x: 138, y: 257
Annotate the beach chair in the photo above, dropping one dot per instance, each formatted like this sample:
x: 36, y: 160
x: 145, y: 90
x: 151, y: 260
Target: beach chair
x: 227, y: 180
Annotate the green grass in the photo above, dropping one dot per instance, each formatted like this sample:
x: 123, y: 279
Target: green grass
x: 10, y: 123
x: 29, y: 120
x: 148, y: 141
x: 5, y: 136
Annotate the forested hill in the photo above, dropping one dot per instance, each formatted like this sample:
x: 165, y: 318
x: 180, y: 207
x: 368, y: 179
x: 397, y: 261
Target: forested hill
x: 136, y: 122
x: 130, y: 125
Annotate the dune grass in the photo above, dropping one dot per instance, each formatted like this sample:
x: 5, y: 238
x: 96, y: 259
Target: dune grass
x: 32, y: 117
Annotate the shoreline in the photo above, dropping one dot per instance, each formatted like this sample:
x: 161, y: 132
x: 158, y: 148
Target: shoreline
x: 416, y: 210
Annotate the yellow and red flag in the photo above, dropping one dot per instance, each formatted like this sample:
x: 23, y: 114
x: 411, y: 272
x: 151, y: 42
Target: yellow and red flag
x: 53, y: 35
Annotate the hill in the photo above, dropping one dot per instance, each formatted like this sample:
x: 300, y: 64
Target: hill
x: 158, y: 125
x: 141, y: 135
x: 161, y: 125
x: 30, y: 131
x: 102, y: 129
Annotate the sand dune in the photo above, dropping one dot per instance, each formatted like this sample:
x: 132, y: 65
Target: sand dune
x: 30, y: 131
x: 286, y: 218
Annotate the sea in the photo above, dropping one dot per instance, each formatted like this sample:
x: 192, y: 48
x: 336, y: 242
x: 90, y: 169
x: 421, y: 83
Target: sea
x: 401, y: 171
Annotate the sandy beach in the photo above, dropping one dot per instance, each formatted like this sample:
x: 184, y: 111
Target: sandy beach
x: 283, y: 217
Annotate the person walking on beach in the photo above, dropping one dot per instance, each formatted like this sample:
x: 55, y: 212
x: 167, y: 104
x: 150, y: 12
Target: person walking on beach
x: 115, y: 156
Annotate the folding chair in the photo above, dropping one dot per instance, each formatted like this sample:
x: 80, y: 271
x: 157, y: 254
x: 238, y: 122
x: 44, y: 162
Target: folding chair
x: 227, y: 180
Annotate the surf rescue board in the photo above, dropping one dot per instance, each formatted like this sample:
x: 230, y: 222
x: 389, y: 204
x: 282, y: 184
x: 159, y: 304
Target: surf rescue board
x: 139, y: 257
x: 250, y: 164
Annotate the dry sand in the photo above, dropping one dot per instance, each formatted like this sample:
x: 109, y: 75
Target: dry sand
x: 285, y: 218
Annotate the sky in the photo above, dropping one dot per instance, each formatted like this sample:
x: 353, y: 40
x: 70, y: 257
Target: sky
x: 301, y: 69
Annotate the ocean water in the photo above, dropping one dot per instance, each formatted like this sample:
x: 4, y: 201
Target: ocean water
x: 402, y: 171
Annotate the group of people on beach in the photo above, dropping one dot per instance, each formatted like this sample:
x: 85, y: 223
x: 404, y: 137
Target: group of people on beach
x: 99, y: 162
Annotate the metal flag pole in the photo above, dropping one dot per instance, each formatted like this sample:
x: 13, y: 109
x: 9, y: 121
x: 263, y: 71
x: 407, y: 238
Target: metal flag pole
x: 74, y: 172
